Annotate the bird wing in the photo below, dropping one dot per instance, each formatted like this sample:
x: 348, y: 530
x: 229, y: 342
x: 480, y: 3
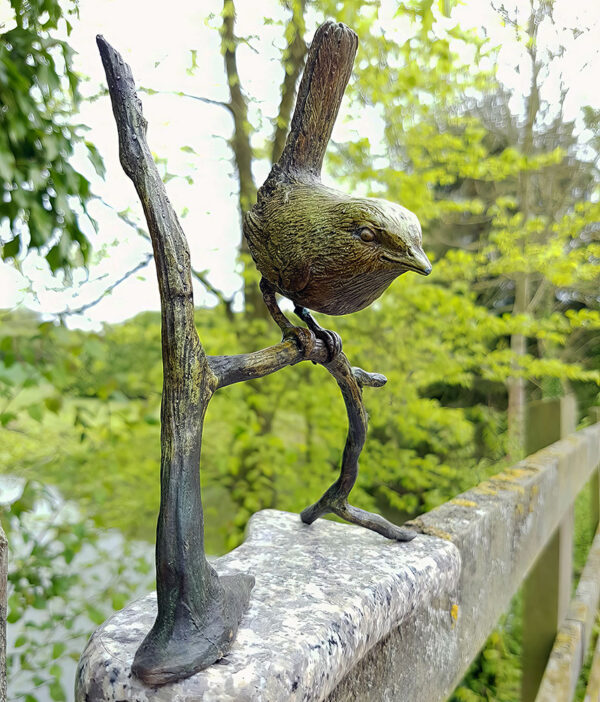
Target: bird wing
x: 294, y: 277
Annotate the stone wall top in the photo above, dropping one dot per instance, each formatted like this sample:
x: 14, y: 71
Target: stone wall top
x: 340, y: 613
x: 324, y: 595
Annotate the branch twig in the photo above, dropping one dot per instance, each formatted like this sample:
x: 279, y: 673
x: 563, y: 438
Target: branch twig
x: 227, y: 302
x: 83, y: 308
x: 250, y: 366
x: 181, y: 93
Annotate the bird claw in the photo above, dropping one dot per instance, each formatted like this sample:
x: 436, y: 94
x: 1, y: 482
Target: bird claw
x: 304, y: 338
x: 333, y: 342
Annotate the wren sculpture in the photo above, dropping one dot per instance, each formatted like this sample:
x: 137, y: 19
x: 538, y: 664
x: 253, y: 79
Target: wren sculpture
x: 325, y: 251
x: 329, y: 252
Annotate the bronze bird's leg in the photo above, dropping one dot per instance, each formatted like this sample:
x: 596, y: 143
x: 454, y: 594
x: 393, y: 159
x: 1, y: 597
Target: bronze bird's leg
x: 332, y: 340
x: 303, y: 337
x: 350, y: 381
x: 335, y: 499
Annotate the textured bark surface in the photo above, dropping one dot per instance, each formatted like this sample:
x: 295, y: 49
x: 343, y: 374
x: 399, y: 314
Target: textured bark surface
x: 250, y: 366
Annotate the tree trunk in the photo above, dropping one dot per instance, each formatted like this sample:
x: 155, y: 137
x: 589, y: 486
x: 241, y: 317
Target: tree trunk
x: 517, y: 395
x: 517, y: 389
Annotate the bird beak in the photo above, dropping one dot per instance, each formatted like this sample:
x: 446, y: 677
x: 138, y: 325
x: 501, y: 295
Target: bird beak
x: 419, y: 262
x: 412, y: 260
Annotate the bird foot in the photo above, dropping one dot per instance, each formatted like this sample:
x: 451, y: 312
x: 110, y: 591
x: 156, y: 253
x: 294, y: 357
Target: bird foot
x: 305, y: 339
x: 332, y: 340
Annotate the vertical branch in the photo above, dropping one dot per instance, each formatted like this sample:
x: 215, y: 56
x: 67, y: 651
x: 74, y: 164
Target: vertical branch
x: 197, y: 613
x: 243, y: 154
x: 517, y: 388
x: 240, y: 142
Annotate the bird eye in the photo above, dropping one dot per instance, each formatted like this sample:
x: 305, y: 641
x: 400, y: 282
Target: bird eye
x: 366, y: 234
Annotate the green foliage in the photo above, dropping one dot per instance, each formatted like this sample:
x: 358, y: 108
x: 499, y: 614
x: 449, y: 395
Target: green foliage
x: 81, y: 410
x: 43, y: 196
x: 64, y: 579
x: 582, y: 682
x: 496, y: 673
x: 71, y: 396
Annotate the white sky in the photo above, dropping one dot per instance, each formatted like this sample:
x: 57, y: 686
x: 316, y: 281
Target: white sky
x: 157, y: 45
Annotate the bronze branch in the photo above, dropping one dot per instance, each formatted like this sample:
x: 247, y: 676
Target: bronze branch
x: 198, y: 611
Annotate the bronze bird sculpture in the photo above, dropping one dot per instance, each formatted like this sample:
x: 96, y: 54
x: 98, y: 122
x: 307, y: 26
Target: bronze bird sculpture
x: 322, y: 249
x: 327, y: 251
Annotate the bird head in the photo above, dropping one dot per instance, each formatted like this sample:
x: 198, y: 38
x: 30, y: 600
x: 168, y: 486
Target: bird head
x: 388, y: 234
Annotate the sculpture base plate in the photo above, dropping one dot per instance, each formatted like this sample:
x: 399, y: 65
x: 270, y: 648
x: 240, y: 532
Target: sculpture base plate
x: 195, y: 647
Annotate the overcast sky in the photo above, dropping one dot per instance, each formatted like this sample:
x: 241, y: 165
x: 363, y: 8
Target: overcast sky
x: 157, y: 45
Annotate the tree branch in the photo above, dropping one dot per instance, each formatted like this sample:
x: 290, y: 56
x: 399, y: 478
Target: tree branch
x: 243, y: 153
x: 335, y: 499
x: 250, y: 366
x: 543, y: 287
x: 293, y: 60
x: 83, y: 308
x: 181, y: 93
x: 168, y: 241
x: 225, y: 301
x: 240, y: 142
x: 257, y: 364
x: 199, y: 275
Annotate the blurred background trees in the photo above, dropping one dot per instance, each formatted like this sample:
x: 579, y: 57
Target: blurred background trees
x: 506, y: 187
x: 43, y: 196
